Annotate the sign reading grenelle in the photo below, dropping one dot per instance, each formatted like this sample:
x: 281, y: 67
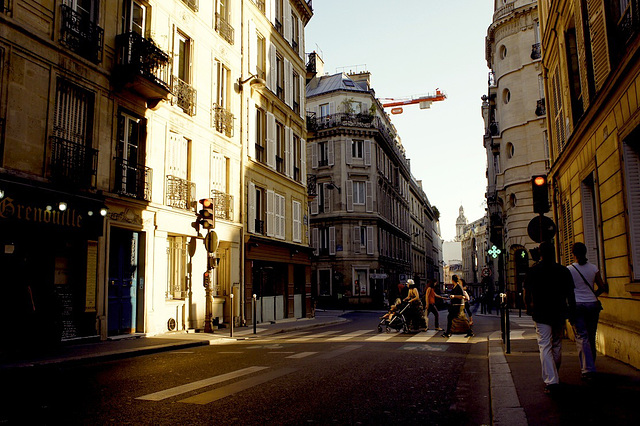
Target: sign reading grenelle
x: 11, y: 210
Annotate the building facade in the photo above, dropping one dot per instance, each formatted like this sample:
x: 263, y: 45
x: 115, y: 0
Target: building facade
x: 592, y: 77
x: 514, y: 112
x: 366, y: 209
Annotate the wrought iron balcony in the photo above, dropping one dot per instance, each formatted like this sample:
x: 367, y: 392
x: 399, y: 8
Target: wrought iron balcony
x: 132, y: 180
x: 222, y: 120
x: 185, y: 95
x: 142, y: 66
x: 193, y: 4
x: 541, y: 108
x: 180, y: 193
x: 312, y: 190
x: 81, y: 35
x: 536, y: 53
x: 223, y: 204
x: 73, y: 163
x: 225, y: 29
x: 629, y: 23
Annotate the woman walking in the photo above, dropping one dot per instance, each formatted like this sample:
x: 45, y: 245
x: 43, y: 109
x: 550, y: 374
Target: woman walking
x: 585, y: 275
x: 430, y: 299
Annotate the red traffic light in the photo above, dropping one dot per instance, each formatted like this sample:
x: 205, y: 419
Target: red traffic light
x: 539, y: 180
x: 540, y: 194
x: 206, y: 216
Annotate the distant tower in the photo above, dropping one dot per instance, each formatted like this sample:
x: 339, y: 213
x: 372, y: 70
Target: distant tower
x: 461, y: 222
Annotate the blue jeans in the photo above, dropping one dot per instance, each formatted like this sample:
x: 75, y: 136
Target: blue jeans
x: 585, y: 327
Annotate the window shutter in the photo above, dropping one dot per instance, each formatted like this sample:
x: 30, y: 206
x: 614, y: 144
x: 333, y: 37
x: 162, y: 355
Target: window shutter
x: 280, y: 216
x: 367, y: 153
x: 567, y: 231
x: 632, y: 169
x: 303, y: 162
x: 330, y: 153
x: 599, y: 42
x: 287, y: 21
x: 315, y: 241
x: 270, y: 11
x: 251, y: 200
x: 288, y: 142
x: 558, y: 111
x: 253, y: 47
x: 218, y: 172
x: 288, y: 83
x: 314, y: 205
x: 314, y: 155
x: 589, y: 223
x: 271, y: 69
x: 177, y: 155
x: 327, y: 198
x: 349, y: 185
x: 271, y: 140
x: 348, y: 153
x: 303, y: 95
x: 297, y: 224
x: 270, y: 213
x: 252, y: 128
x: 301, y: 39
x: 356, y: 239
x: 369, y: 239
x: 369, y: 196
x: 332, y: 240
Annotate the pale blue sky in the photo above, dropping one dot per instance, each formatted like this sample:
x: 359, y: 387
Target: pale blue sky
x: 412, y: 47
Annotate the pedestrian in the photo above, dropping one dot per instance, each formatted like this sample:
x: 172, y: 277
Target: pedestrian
x: 585, y: 275
x: 467, y: 309
x: 415, y: 305
x: 456, y: 307
x: 549, y: 297
x: 430, y: 301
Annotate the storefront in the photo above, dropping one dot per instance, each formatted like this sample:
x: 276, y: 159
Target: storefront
x: 49, y: 261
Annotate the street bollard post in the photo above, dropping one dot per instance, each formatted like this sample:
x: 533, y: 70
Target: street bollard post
x: 253, y: 301
x: 231, y: 329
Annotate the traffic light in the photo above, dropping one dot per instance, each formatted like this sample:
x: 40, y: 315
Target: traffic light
x: 540, y: 192
x: 206, y: 216
x: 206, y: 279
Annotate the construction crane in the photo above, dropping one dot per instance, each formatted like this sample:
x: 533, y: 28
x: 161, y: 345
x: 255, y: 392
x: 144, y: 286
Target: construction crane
x: 425, y: 101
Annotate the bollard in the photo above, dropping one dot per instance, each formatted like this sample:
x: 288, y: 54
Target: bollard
x: 231, y: 329
x: 253, y: 301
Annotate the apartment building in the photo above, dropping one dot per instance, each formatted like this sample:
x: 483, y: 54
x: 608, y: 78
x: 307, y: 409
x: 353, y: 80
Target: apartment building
x: 592, y: 77
x: 361, y: 221
x: 514, y: 112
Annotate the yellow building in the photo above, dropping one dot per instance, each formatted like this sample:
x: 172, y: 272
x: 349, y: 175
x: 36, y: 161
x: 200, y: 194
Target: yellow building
x: 592, y: 79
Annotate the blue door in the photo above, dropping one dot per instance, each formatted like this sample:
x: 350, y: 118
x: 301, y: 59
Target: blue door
x: 123, y: 280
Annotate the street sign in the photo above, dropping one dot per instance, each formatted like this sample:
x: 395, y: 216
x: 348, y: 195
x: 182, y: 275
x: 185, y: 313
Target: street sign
x: 541, y: 228
x: 211, y: 241
x: 486, y: 272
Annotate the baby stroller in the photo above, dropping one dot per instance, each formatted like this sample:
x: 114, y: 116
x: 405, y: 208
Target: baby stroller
x: 397, y: 320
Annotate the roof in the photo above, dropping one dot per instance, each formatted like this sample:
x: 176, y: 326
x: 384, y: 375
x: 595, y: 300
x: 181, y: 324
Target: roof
x: 331, y: 83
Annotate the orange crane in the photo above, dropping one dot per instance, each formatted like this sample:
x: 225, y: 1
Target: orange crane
x: 425, y: 101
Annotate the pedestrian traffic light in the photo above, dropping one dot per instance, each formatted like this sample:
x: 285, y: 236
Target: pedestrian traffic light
x: 206, y: 279
x: 540, y: 193
x: 206, y: 216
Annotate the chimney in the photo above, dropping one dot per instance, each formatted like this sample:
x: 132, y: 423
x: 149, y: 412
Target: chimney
x: 315, y: 66
x: 362, y: 79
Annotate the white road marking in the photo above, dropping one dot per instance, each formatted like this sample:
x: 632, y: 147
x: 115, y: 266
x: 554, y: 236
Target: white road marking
x: 339, y: 352
x: 348, y: 336
x: 302, y: 355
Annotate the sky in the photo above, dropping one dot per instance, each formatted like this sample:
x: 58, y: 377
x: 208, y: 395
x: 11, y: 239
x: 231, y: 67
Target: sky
x: 413, y: 47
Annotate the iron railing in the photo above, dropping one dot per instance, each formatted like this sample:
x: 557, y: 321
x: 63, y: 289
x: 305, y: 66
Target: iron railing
x: 223, y: 204
x: 629, y: 23
x: 536, y: 52
x: 81, y: 35
x: 222, y: 120
x: 362, y: 120
x: 140, y: 56
x: 180, y: 193
x: 541, y: 107
x: 73, y: 163
x: 224, y: 28
x: 312, y: 190
x: 193, y: 4
x: 185, y: 95
x: 132, y: 180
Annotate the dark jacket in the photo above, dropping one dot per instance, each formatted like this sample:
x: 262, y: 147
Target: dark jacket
x: 549, y: 293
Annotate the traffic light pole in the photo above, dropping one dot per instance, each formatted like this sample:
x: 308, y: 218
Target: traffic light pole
x: 208, y: 297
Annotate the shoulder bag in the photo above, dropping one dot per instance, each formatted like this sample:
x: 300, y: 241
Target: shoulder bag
x: 590, y: 288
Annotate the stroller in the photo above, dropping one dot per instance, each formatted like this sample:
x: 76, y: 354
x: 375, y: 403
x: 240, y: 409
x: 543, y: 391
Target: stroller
x: 397, y: 321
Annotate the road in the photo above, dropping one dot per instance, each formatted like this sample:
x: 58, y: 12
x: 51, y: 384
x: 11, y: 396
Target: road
x: 341, y: 374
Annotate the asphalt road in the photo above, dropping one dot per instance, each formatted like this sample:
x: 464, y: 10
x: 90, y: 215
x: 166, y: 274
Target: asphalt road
x: 342, y: 374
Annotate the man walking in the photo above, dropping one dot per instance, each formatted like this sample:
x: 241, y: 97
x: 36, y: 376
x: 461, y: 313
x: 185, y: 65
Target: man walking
x: 549, y: 297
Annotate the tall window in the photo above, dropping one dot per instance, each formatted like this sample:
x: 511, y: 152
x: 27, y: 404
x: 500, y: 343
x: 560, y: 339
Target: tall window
x: 324, y: 110
x: 632, y: 180
x: 182, y: 57
x: 222, y: 90
x: 296, y: 92
x: 279, y: 216
x: 261, y: 47
x: 359, y: 192
x: 73, y: 116
x: 323, y: 154
x: 297, y: 159
x: 261, y: 135
x: 357, y: 148
x: 280, y: 76
x: 261, y: 206
x: 178, y: 156
x: 133, y: 17
x: 295, y: 36
x: 176, y: 268
x: 280, y: 148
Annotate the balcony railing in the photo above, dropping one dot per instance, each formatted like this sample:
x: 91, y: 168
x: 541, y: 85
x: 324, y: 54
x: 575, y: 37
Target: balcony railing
x: 541, y: 108
x: 260, y: 4
x: 225, y: 29
x: 629, y: 23
x: 536, y: 53
x: 132, y: 180
x: 312, y: 189
x: 81, y: 35
x: 223, y: 205
x: 222, y: 120
x: 138, y: 56
x: 73, y: 163
x: 193, y: 4
x: 180, y: 193
x: 185, y: 95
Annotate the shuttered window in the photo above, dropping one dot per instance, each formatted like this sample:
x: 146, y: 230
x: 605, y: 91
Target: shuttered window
x: 177, y: 155
x: 73, y: 116
x: 566, y: 257
x: 558, y: 115
x: 632, y: 171
x: 296, y: 208
x: 599, y: 42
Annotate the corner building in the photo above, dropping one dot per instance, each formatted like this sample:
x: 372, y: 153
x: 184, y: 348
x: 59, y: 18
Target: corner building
x: 592, y: 78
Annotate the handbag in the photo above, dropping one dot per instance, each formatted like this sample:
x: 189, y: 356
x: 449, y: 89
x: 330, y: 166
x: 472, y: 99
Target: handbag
x: 598, y: 303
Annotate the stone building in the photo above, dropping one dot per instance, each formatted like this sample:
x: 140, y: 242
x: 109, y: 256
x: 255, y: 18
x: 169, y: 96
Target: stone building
x: 514, y: 112
x: 592, y: 77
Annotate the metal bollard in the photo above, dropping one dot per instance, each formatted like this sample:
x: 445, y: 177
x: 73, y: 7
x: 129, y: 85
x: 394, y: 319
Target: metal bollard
x: 505, y: 323
x: 231, y: 329
x: 255, y: 320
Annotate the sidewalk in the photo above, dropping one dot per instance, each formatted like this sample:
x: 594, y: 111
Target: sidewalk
x: 612, y: 398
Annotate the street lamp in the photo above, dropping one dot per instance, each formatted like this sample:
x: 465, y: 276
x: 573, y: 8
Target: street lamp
x: 254, y: 81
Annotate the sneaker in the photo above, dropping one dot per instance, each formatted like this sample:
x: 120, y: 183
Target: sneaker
x: 446, y: 334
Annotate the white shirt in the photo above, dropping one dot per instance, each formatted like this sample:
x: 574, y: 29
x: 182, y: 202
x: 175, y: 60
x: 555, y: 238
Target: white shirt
x: 582, y: 291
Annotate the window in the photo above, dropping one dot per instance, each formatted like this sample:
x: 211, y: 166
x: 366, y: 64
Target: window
x: 324, y: 110
x: 296, y: 92
x: 590, y: 219
x: 296, y: 208
x: 261, y: 66
x: 185, y: 94
x: 279, y: 216
x: 295, y: 37
x: 133, y: 17
x: 132, y: 177
x: 280, y: 76
x: 503, y: 51
x: 223, y: 21
x: 359, y: 193
x: 506, y: 96
x: 261, y: 135
x: 280, y: 148
x: 323, y: 154
x: 357, y: 148
x: 180, y: 192
x: 182, y: 57
x: 176, y: 268
x: 222, y: 117
x: 325, y: 240
x: 632, y: 180
x: 257, y: 209
x: 279, y: 17
x: 222, y: 89
x: 297, y: 159
x: 510, y: 150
